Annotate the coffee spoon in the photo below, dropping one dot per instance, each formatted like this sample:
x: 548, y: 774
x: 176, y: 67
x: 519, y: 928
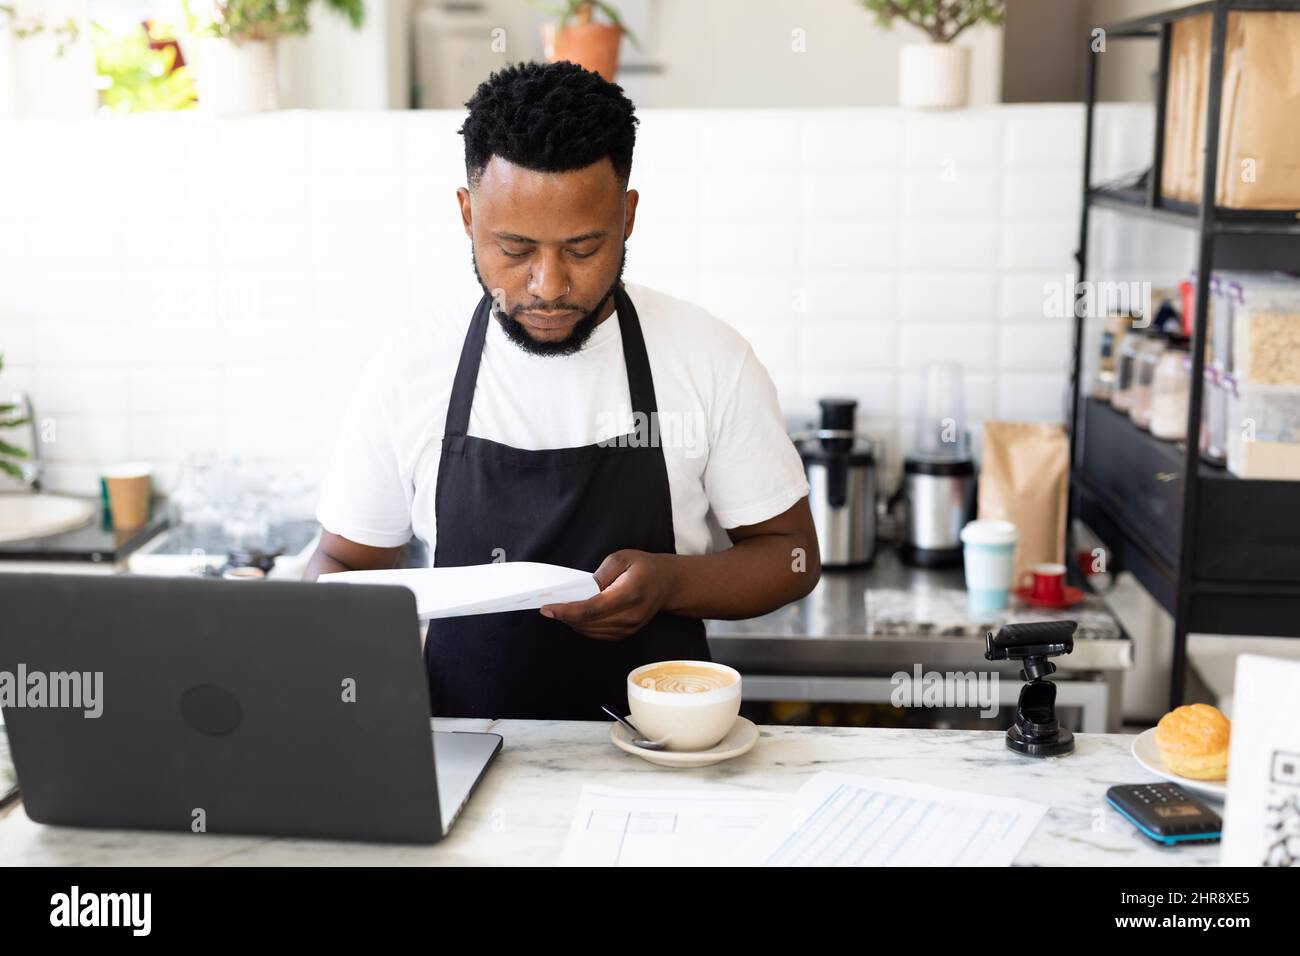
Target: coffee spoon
x: 638, y: 740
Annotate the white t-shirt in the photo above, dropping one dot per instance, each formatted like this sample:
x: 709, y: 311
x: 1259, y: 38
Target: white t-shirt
x: 730, y: 462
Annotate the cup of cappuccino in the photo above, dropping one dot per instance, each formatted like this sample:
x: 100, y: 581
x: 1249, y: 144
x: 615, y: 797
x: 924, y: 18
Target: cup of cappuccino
x: 690, y: 704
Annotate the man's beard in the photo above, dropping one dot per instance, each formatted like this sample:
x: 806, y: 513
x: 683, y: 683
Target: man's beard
x: 571, y: 343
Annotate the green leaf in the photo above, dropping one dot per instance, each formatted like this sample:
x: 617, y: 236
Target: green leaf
x: 13, y: 451
x: 12, y: 470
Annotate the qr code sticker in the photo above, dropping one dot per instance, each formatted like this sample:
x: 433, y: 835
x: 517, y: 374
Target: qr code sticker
x: 1282, y: 817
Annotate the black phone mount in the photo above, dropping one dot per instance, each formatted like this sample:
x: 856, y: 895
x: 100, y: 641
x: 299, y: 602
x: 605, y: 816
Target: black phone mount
x: 1036, y: 732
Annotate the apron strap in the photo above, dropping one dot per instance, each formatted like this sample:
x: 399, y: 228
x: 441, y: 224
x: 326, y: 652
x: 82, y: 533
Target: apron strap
x: 462, y: 387
x: 640, y: 383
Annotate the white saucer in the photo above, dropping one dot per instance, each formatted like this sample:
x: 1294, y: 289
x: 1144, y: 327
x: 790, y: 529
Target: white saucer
x: 740, y: 739
x: 1147, y: 754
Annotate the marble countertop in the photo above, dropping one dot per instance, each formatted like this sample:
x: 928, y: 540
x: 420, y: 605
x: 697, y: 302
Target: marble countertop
x: 521, y: 812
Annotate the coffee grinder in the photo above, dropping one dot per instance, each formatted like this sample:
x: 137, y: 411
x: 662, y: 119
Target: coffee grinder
x: 1036, y: 732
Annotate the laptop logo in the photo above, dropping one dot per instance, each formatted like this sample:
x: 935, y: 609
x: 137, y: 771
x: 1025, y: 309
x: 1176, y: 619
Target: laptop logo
x: 211, y: 710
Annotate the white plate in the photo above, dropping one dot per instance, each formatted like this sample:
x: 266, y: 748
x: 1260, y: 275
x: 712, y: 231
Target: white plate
x: 1147, y: 754
x: 740, y: 739
x: 24, y: 516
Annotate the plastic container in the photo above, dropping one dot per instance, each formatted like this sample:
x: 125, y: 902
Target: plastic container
x: 1170, y: 394
x: 1214, y: 417
x: 1112, y: 336
x: 1121, y: 396
x: 1143, y: 380
x: 1263, y: 432
x: 942, y: 429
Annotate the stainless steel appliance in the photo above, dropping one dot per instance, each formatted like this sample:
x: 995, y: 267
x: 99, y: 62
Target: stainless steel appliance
x: 937, y: 492
x: 938, y: 498
x: 841, y: 468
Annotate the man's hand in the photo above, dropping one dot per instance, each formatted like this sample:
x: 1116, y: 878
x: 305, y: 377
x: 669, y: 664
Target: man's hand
x: 634, y: 586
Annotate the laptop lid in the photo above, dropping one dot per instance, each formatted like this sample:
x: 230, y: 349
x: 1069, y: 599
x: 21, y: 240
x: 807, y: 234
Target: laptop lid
x: 283, y: 708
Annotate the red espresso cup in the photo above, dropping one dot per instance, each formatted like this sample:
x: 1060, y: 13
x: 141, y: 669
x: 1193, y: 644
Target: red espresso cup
x: 1045, y: 582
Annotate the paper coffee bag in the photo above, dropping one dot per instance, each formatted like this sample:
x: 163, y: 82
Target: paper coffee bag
x: 1024, y: 478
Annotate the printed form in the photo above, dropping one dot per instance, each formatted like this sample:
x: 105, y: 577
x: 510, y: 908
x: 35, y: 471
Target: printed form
x: 846, y: 820
x: 616, y: 827
x: 832, y: 820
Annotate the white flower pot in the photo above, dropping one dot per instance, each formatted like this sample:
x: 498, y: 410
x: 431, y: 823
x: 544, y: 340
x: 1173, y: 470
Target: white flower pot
x: 237, y: 77
x: 934, y: 75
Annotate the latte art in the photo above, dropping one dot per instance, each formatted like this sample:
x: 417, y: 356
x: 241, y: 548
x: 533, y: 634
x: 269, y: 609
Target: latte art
x: 684, y: 680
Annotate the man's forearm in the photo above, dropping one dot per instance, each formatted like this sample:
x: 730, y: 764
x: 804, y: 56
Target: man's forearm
x: 754, y: 577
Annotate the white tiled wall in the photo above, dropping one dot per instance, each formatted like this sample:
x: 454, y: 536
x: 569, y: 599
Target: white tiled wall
x: 179, y: 284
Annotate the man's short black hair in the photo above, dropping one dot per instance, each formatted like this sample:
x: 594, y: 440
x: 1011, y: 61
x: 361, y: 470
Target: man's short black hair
x: 550, y: 117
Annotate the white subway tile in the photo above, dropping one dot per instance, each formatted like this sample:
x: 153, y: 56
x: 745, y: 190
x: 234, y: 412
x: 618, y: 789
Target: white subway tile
x: 1041, y: 194
x: 776, y: 344
x: 666, y: 140
x: 742, y: 298
x: 861, y: 195
x: 744, y: 196
x: 828, y: 246
x: 851, y: 138
x: 950, y: 247
x: 969, y: 344
x: 864, y: 296
x: 88, y: 438
x: 958, y: 141
x: 1044, y: 345
x: 765, y: 139
x: 959, y: 194
x: 1044, y: 136
x: 88, y: 392
x: 762, y: 248
x: 872, y: 390
x: 927, y: 296
x: 188, y: 389
x: 17, y: 341
x: 847, y: 346
x: 1032, y: 396
x: 1047, y: 246
x: 1037, y: 295
x: 72, y: 478
x: 849, y: 245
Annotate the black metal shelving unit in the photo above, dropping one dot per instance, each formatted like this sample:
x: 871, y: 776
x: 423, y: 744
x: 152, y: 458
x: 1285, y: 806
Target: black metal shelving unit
x: 1222, y: 555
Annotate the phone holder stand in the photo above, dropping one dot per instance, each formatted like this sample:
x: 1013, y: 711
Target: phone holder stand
x: 1036, y: 731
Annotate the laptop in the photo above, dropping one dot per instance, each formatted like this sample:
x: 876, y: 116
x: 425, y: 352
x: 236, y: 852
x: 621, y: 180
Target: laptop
x: 283, y: 708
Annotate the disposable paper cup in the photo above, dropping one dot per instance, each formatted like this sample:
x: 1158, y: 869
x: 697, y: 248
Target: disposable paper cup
x: 989, y: 550
x: 129, y: 491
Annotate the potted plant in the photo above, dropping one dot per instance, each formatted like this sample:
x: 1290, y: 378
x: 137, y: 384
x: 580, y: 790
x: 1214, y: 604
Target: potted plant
x: 576, y: 37
x: 936, y: 74
x: 236, y: 62
x: 11, y: 455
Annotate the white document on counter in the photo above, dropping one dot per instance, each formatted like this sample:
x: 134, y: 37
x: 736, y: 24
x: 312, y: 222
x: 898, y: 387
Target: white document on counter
x: 616, y: 827
x: 480, y: 588
x: 847, y: 820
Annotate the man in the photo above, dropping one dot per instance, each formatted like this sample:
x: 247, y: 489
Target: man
x: 580, y: 421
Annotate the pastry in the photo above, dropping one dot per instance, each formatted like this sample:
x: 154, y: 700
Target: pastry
x: 1193, y: 742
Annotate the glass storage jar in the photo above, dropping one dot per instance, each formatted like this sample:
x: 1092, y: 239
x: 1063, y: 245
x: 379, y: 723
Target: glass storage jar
x: 1171, y: 389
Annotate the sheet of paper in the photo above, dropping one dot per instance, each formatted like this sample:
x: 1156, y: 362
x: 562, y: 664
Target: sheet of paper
x: 616, y: 827
x: 846, y: 820
x: 481, y: 588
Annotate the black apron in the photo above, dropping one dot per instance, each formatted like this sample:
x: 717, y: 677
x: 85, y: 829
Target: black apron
x: 565, y: 506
